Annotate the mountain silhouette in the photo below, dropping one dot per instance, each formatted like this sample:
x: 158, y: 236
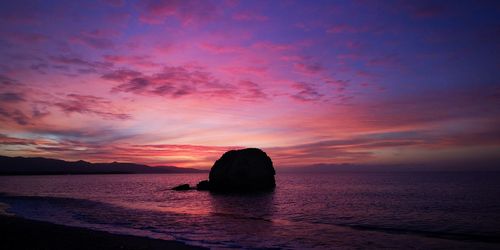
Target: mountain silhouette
x: 47, y: 166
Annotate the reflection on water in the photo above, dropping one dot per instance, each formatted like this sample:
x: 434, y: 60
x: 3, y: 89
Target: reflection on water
x: 345, y: 210
x: 250, y: 214
x: 259, y: 205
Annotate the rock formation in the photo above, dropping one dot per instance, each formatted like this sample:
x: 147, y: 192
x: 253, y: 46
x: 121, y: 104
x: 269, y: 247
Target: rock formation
x: 203, y: 185
x: 182, y: 187
x: 247, y: 169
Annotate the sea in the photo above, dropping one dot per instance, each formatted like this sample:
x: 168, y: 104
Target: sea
x: 340, y: 210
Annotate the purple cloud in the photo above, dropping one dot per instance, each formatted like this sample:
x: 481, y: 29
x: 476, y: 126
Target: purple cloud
x: 15, y: 115
x: 306, y: 92
x: 185, y: 11
x: 86, y: 104
x: 96, y: 39
x: 78, y: 61
x: 171, y: 81
x: 122, y: 75
x: 11, y: 97
x: 5, y: 80
x: 249, y: 16
x: 308, y: 68
x: 252, y: 90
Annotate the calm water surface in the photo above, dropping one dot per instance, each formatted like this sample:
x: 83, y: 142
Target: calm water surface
x: 306, y: 211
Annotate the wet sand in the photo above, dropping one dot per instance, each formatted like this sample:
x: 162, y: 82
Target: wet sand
x: 20, y: 233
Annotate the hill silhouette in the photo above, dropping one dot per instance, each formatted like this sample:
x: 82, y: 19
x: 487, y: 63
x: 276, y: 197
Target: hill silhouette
x: 47, y: 166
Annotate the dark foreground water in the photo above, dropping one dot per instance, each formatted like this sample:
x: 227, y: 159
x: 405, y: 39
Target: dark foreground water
x: 306, y: 211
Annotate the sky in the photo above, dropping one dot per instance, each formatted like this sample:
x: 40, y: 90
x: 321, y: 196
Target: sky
x: 310, y: 82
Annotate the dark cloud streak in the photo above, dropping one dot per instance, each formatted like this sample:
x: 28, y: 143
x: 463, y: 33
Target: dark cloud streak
x: 306, y: 92
x: 85, y: 104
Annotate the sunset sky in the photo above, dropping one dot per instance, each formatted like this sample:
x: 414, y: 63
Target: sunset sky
x: 180, y: 82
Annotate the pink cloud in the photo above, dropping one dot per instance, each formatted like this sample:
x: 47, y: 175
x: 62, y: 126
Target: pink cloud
x: 367, y: 74
x: 7, y: 140
x: 343, y: 28
x: 245, y: 70
x: 273, y: 46
x: 252, y: 90
x: 218, y: 49
x: 186, y: 11
x: 32, y: 106
x: 291, y: 58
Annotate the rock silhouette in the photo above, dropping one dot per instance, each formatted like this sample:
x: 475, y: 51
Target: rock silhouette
x: 247, y: 169
x: 203, y: 185
x: 182, y: 187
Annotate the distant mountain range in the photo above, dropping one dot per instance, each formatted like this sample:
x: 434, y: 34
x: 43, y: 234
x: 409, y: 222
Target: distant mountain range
x: 485, y: 165
x: 335, y: 168
x: 46, y: 166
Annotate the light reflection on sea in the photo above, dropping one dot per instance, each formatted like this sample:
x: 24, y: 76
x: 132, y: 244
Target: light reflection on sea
x: 306, y: 211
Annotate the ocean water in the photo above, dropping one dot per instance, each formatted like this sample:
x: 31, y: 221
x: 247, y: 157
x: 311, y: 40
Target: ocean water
x: 418, y: 210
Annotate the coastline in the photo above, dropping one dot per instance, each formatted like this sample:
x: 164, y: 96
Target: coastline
x: 21, y: 233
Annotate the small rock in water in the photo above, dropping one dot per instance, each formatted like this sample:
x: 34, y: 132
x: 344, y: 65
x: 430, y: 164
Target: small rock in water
x: 182, y: 187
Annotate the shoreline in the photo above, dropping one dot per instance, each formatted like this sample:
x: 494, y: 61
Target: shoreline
x: 21, y: 233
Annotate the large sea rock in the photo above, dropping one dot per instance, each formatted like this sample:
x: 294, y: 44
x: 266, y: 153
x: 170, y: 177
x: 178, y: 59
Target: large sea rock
x: 247, y: 169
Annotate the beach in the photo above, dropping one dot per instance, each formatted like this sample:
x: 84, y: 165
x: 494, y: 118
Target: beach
x: 20, y: 233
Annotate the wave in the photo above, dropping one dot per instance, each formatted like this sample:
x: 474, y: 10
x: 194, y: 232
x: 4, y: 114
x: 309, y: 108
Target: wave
x: 484, y: 238
x: 432, y: 234
x: 154, y: 224
x: 102, y: 216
